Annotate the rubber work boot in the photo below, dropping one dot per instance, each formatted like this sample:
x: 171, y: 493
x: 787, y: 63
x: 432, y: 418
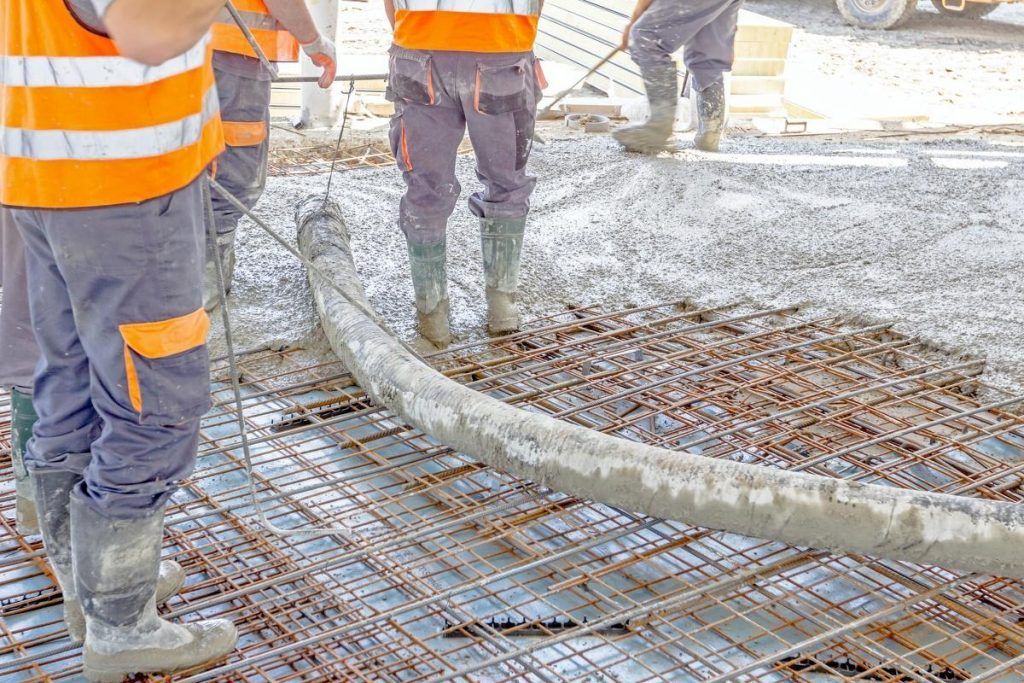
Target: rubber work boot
x: 116, y: 566
x: 53, y: 495
x: 430, y: 284
x: 652, y: 136
x: 710, y: 117
x: 211, y: 289
x: 502, y: 245
x: 23, y: 416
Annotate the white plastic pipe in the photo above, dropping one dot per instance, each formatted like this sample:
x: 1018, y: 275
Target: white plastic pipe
x: 968, y: 534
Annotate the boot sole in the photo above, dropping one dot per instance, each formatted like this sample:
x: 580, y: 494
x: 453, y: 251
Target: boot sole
x: 94, y: 675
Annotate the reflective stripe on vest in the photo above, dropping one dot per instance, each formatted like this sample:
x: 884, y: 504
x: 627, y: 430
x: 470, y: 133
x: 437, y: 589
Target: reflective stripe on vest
x: 276, y: 42
x: 81, y: 126
x: 467, y: 25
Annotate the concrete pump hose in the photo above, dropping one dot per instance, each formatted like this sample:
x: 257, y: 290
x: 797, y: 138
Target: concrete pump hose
x: 799, y: 509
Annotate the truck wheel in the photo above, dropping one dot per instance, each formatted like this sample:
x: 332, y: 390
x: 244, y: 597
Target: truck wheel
x: 972, y: 10
x: 876, y: 14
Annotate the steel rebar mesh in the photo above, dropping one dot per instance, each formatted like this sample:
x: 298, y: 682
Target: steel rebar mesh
x: 452, y: 571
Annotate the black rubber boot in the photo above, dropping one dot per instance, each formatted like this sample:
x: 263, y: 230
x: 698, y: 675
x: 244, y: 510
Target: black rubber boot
x: 427, y: 264
x: 23, y: 416
x: 502, y: 245
x: 652, y: 136
x: 116, y: 568
x: 710, y: 117
x: 53, y: 491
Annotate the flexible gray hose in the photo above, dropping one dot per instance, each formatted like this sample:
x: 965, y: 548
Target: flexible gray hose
x: 792, y: 507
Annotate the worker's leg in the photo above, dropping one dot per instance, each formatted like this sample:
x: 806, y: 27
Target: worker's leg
x: 241, y: 168
x: 425, y: 134
x: 709, y: 54
x: 18, y: 357
x: 500, y: 106
x: 128, y: 278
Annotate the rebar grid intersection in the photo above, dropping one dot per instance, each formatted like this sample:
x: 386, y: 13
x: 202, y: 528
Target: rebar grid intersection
x: 454, y: 571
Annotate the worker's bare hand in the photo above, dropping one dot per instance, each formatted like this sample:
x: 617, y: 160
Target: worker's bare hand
x: 322, y: 53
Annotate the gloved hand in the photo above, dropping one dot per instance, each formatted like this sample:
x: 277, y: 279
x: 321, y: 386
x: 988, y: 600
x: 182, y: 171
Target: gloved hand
x: 322, y: 53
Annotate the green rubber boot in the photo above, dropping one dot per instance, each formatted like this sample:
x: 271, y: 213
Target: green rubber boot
x: 430, y: 284
x: 116, y: 568
x: 502, y: 244
x: 653, y: 135
x: 710, y: 117
x: 23, y: 416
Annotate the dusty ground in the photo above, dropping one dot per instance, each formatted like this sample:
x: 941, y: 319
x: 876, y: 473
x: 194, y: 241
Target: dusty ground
x: 951, y: 70
x: 927, y: 235
x: 923, y: 231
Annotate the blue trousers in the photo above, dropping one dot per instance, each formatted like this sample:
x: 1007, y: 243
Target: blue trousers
x: 707, y: 29
x: 115, y: 298
x: 440, y: 95
x: 18, y: 352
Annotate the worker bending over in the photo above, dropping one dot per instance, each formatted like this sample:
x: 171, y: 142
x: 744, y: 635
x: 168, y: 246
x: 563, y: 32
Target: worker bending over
x: 280, y: 27
x: 104, y: 141
x: 657, y: 29
x: 457, y: 64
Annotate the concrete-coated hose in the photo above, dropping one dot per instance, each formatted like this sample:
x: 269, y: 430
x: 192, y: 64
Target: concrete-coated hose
x: 961, y: 533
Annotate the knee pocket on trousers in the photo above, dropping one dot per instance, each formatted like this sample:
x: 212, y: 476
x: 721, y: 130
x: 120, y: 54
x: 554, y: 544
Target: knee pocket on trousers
x: 167, y: 368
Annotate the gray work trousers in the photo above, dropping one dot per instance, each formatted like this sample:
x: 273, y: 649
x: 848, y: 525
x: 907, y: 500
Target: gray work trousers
x: 242, y: 167
x: 115, y: 295
x: 438, y: 95
x: 18, y: 350
x: 707, y: 29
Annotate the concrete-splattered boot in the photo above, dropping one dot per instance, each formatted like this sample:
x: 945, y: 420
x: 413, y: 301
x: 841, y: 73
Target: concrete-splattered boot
x: 53, y: 497
x: 427, y: 263
x: 23, y: 416
x: 225, y: 244
x: 710, y: 117
x: 116, y: 567
x: 652, y: 136
x: 502, y: 243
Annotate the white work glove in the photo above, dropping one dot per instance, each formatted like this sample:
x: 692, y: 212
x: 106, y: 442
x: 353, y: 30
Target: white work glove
x: 322, y: 53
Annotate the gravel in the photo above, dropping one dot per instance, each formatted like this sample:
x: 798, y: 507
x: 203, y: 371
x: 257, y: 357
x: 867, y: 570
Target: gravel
x: 927, y: 235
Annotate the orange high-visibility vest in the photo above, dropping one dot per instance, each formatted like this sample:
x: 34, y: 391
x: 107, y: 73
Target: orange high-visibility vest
x: 467, y: 25
x: 82, y: 126
x: 276, y: 42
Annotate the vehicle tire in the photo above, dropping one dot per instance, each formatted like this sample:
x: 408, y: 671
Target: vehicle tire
x: 876, y: 14
x: 972, y: 10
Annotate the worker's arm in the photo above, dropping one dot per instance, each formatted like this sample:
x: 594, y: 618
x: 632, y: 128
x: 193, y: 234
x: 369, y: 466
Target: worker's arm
x: 295, y: 16
x: 153, y: 31
x: 389, y: 9
x: 641, y: 7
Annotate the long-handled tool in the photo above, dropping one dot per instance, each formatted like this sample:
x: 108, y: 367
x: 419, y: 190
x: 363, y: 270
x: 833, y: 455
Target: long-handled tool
x: 561, y: 96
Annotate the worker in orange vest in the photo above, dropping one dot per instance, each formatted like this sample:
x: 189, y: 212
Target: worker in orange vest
x: 109, y: 119
x: 458, y: 64
x: 280, y: 28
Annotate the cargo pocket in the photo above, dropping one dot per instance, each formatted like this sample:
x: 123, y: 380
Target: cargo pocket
x: 168, y: 368
x: 410, y: 78
x: 500, y: 89
x: 244, y: 133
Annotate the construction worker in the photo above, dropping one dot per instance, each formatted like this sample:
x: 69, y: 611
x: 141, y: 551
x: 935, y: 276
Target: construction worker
x: 109, y: 120
x: 18, y: 356
x: 456, y: 64
x: 657, y: 29
x: 280, y: 27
